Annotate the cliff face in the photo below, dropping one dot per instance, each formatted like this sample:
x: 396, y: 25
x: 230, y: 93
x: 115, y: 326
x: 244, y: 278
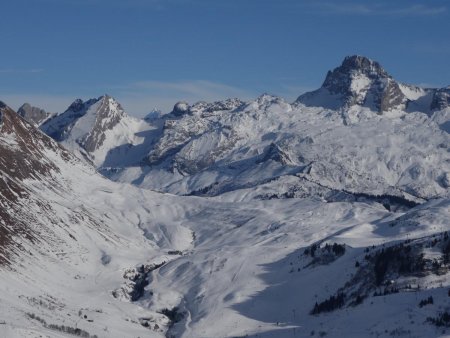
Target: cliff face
x: 357, y: 81
x: 34, y: 115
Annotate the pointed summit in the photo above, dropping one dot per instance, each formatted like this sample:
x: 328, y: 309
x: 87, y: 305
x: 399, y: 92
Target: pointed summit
x: 352, y: 69
x: 81, y: 119
x: 32, y: 114
x: 357, y: 81
x: 362, y: 63
x: 76, y: 105
x: 93, y: 128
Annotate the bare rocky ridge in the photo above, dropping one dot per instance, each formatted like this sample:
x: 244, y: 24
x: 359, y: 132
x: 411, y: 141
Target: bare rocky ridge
x: 382, y: 92
x: 23, y: 156
x: 33, y: 115
x: 441, y: 99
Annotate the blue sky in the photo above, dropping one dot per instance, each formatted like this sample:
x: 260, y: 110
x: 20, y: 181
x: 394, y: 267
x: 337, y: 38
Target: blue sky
x: 152, y: 53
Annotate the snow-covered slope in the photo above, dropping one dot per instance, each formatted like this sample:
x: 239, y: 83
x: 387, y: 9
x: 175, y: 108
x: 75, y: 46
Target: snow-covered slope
x: 98, y: 130
x: 364, y: 133
x: 88, y: 257
x: 361, y: 132
x: 68, y: 238
x: 356, y: 150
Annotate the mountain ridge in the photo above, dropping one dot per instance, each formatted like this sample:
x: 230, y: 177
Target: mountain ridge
x: 199, y: 145
x: 32, y: 114
x: 273, y: 219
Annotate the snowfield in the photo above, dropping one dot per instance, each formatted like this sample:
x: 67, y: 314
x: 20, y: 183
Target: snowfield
x: 231, y: 219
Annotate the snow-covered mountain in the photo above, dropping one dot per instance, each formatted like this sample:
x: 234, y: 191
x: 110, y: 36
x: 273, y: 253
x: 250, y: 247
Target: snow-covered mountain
x: 303, y: 220
x: 356, y: 150
x: 361, y: 132
x: 362, y: 82
x: 98, y: 130
x: 358, y: 81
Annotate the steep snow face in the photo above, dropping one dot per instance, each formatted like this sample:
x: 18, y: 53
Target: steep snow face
x: 359, y: 151
x: 412, y: 93
x: 97, y: 129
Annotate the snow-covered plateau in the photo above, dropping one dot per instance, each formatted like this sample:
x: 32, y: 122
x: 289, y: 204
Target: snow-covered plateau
x: 325, y: 217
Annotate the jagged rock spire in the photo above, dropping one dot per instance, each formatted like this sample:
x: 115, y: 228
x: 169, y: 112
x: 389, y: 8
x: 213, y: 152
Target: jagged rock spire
x: 357, y: 81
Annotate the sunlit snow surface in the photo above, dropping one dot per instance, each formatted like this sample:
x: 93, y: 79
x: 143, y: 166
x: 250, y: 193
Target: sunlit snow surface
x: 238, y: 273
x: 234, y: 261
x: 356, y: 149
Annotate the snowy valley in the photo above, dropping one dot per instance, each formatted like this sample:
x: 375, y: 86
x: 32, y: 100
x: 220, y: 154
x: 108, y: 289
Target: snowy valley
x: 324, y: 217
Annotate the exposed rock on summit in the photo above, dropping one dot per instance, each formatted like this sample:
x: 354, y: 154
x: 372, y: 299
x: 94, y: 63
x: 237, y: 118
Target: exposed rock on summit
x: 358, y: 81
x: 32, y: 114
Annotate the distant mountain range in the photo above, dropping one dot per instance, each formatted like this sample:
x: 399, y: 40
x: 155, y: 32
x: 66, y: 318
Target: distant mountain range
x: 361, y: 132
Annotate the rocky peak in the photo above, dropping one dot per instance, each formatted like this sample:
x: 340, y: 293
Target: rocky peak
x: 352, y: 69
x: 24, y: 146
x: 265, y: 99
x: 109, y: 107
x: 265, y: 103
x: 108, y: 114
x: 441, y: 99
x: 357, y: 81
x: 80, y: 107
x: 93, y: 114
x: 363, y: 64
x: 32, y: 114
x: 76, y: 105
x: 93, y: 128
x: 180, y: 108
